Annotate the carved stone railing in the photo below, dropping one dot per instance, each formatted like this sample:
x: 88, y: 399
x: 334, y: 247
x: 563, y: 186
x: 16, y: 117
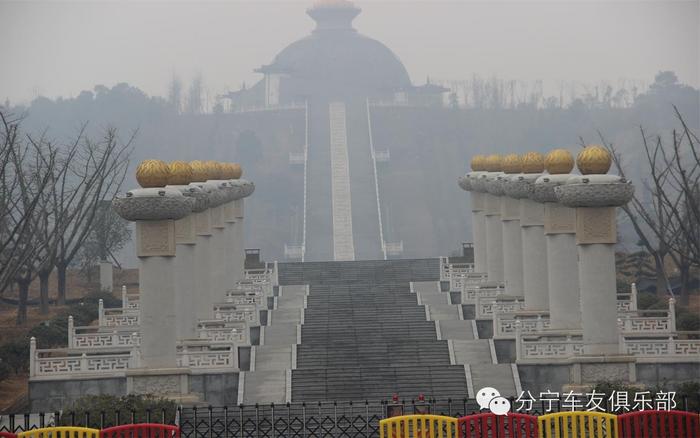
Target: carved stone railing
x: 547, y: 347
x: 673, y: 345
x: 207, y: 355
x: 531, y: 321
x: 485, y: 307
x: 236, y: 333
x: 67, y: 361
x: 247, y: 313
x: 117, y: 316
x: 471, y: 293
x: 93, y: 337
x: 632, y: 322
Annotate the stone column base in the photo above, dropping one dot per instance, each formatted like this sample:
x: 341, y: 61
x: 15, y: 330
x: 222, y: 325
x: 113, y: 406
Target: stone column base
x: 172, y: 383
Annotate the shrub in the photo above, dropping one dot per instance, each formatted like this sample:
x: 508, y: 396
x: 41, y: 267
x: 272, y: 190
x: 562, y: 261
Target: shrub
x: 101, y: 410
x: 15, y: 355
x: 688, y: 392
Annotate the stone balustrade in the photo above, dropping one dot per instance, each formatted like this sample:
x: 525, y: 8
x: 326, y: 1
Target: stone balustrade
x: 221, y: 331
x: 237, y: 312
x: 674, y: 346
x: 485, y: 307
x: 531, y: 321
x: 207, y: 355
x: 470, y: 294
x: 94, y: 337
x: 117, y: 316
x: 68, y: 361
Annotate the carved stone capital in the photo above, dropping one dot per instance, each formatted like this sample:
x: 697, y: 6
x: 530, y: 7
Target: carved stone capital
x: 155, y: 238
x: 559, y: 219
x: 152, y: 204
x: 595, y: 191
x: 531, y: 213
x: 519, y: 185
x: 464, y: 183
x: 596, y: 225
x: 185, y: 230
x: 202, y: 223
x: 543, y: 188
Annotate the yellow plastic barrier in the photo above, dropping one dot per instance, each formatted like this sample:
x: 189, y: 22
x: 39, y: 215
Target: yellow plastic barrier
x: 418, y: 426
x: 60, y: 432
x: 578, y: 425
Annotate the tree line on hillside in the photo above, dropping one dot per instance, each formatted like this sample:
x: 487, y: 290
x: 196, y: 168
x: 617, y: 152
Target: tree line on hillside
x: 52, y: 201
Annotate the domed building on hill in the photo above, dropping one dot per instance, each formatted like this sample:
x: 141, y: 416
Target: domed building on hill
x: 334, y: 62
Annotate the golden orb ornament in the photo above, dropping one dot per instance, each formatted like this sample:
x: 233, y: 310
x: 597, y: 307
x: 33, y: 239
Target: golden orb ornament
x: 512, y: 164
x: 493, y: 163
x: 152, y: 173
x: 180, y: 173
x: 477, y: 163
x: 533, y: 162
x: 237, y: 170
x: 199, y: 171
x: 559, y: 161
x: 594, y: 159
x: 214, y: 169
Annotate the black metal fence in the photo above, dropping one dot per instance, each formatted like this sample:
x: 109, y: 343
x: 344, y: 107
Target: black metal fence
x: 291, y: 420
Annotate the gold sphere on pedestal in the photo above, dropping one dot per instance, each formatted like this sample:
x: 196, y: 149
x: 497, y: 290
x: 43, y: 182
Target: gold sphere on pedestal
x: 533, y: 162
x: 478, y: 163
x: 559, y: 161
x: 152, y: 173
x: 512, y: 163
x: 237, y: 170
x: 231, y: 170
x: 199, y: 171
x: 494, y: 163
x: 594, y: 159
x: 214, y: 169
x: 180, y: 173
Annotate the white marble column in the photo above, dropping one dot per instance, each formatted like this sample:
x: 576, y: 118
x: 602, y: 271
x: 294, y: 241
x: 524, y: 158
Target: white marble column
x: 218, y: 264
x: 185, y: 281
x: 479, y: 232
x: 595, y: 198
x: 512, y: 246
x: 155, y: 210
x: 238, y: 248
x: 562, y: 267
x: 494, y: 238
x: 535, y: 287
x: 202, y: 265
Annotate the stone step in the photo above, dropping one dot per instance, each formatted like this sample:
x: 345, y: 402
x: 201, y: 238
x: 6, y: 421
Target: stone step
x: 264, y: 387
x: 475, y: 352
x: 456, y: 330
x: 439, y: 312
x: 422, y: 287
x: 280, y: 334
x: 273, y: 358
x: 499, y: 376
x: 285, y: 316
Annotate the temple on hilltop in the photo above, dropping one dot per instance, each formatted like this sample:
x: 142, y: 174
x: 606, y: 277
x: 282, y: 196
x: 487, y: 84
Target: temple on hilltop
x: 334, y: 62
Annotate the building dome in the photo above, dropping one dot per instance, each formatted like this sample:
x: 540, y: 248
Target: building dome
x: 335, y: 61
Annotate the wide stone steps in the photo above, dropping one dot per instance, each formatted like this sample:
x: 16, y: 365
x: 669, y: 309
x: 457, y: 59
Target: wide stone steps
x: 374, y: 383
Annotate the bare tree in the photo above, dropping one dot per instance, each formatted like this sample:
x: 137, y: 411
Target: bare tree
x: 99, y: 170
x: 668, y: 225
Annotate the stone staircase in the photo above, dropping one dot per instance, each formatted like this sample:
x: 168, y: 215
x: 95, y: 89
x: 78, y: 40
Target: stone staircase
x: 364, y: 337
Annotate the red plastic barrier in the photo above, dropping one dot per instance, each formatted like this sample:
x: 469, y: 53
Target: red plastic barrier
x: 489, y: 425
x: 142, y: 430
x: 658, y: 424
x: 7, y: 435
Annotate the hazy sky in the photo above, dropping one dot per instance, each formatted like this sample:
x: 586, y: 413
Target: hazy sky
x: 55, y: 48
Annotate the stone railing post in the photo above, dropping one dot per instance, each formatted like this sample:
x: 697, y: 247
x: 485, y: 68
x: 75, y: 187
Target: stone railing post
x: 518, y: 340
x: 633, y: 297
x: 32, y: 357
x: 595, y: 195
x: 672, y: 314
x: 560, y: 238
x: 100, y: 312
x: 71, y: 332
x: 125, y: 299
x: 154, y: 210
